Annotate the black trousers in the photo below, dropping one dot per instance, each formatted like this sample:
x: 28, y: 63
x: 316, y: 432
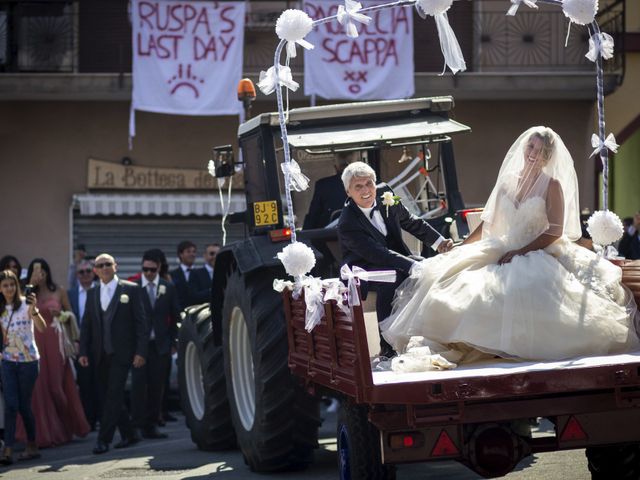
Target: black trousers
x: 384, y: 297
x: 112, y: 378
x: 147, y: 388
x: 89, y: 394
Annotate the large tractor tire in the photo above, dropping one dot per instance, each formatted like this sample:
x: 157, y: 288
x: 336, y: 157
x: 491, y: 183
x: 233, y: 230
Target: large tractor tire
x: 203, y: 394
x: 359, y: 456
x: 621, y: 462
x: 275, y: 420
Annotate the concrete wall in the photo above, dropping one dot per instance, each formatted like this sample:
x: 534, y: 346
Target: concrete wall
x: 44, y: 148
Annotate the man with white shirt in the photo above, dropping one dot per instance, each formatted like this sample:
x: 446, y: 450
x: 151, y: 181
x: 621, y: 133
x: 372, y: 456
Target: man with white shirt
x: 161, y: 306
x: 85, y: 377
x: 201, y: 278
x: 180, y: 276
x: 115, y: 332
x: 370, y: 235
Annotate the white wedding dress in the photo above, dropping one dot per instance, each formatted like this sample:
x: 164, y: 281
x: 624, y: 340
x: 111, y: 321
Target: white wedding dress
x: 560, y: 302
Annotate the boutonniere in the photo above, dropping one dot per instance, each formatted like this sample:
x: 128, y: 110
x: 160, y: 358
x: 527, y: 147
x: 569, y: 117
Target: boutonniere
x: 162, y: 289
x: 124, y: 298
x: 389, y: 200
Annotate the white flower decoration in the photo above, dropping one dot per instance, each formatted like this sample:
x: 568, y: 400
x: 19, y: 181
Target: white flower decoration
x: 581, y: 12
x: 605, y: 227
x: 211, y: 167
x: 298, y: 259
x: 389, y: 200
x: 292, y: 26
x: 433, y: 7
x: 124, y: 298
x: 162, y: 289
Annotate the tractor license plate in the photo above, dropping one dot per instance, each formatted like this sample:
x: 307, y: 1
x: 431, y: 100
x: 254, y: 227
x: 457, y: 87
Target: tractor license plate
x: 265, y: 213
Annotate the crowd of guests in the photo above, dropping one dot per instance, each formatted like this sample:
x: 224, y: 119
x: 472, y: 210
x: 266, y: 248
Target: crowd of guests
x: 67, y: 354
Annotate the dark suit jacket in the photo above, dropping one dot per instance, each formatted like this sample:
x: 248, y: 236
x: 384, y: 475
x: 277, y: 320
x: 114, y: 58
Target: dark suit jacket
x: 200, y: 285
x: 363, y: 244
x: 328, y: 196
x: 182, y: 287
x: 163, y: 316
x: 129, y: 326
x: 630, y: 246
x: 73, y: 294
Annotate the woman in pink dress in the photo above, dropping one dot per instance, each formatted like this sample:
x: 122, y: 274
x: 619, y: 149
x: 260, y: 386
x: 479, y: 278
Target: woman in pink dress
x: 56, y: 402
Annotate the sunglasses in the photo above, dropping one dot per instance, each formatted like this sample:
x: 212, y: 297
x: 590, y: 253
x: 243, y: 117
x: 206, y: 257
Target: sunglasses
x: 82, y: 272
x: 149, y: 269
x: 104, y: 265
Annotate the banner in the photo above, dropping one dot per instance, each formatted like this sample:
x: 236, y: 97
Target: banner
x: 377, y: 65
x: 187, y: 57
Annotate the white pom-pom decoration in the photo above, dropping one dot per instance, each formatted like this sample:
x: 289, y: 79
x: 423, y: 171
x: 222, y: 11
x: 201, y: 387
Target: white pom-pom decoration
x: 581, y: 12
x: 604, y: 227
x: 298, y: 259
x: 434, y: 7
x: 293, y: 25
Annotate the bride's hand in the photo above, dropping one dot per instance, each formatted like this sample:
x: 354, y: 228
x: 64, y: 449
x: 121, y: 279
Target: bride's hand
x: 507, y: 257
x: 445, y: 245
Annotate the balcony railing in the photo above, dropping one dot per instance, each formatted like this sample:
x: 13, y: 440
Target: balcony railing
x: 38, y: 36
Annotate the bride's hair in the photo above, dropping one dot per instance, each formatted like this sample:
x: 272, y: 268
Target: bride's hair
x: 546, y: 135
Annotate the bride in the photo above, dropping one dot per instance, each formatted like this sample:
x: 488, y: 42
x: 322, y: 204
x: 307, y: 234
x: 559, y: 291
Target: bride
x: 519, y: 287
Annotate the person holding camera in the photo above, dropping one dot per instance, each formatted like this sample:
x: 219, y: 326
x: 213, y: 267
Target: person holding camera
x: 18, y: 317
x: 56, y: 401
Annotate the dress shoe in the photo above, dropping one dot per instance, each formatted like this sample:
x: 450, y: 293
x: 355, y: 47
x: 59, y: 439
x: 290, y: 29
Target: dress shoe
x: 101, y: 447
x: 169, y: 418
x: 153, y: 432
x: 127, y: 441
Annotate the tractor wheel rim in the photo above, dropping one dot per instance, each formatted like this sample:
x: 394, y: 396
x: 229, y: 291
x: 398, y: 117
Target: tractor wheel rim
x: 193, y: 377
x: 242, y: 376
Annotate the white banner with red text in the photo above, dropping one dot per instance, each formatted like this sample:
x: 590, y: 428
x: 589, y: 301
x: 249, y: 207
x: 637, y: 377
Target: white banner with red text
x: 377, y: 65
x: 187, y: 57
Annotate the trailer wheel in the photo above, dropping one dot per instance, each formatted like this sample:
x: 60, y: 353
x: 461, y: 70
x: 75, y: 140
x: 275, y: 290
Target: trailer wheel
x: 275, y: 420
x: 203, y: 395
x: 359, y: 456
x: 621, y: 462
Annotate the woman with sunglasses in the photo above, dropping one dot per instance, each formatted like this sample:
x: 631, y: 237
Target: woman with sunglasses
x: 18, y: 317
x: 56, y: 401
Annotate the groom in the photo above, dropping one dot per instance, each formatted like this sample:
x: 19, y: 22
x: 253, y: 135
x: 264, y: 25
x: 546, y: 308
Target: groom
x: 370, y: 235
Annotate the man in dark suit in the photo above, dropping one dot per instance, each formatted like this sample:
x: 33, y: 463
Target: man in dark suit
x: 629, y: 246
x: 115, y: 332
x: 201, y: 278
x: 161, y: 306
x: 370, y: 235
x: 328, y: 195
x: 180, y: 276
x: 85, y: 375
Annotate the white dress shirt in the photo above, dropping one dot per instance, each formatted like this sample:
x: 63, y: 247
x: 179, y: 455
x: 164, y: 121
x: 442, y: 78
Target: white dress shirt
x: 209, y: 270
x: 106, y: 292
x: 186, y: 270
x: 82, y: 301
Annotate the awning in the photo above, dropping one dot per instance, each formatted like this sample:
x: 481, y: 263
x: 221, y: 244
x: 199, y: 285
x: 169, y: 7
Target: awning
x: 158, y: 204
x: 388, y: 132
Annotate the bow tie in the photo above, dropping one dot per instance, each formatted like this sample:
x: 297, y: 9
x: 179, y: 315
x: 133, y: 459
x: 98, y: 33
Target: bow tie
x: 373, y: 210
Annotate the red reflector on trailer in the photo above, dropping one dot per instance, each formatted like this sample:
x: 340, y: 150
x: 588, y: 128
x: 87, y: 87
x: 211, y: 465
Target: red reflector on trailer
x: 280, y: 234
x: 444, y: 446
x: 573, y: 430
x: 407, y: 441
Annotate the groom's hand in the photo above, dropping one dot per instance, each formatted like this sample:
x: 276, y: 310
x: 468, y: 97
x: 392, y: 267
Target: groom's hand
x: 445, y: 245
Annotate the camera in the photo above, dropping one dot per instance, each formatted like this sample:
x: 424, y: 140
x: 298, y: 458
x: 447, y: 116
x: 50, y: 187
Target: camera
x: 28, y: 290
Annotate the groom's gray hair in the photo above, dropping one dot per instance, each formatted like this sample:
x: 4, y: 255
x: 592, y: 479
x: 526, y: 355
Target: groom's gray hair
x: 357, y: 169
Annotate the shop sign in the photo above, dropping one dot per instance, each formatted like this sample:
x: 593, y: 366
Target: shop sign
x: 103, y: 175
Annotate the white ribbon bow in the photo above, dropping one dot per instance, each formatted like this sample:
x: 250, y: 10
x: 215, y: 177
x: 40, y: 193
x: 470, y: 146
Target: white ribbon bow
x: 298, y: 180
x: 291, y: 46
x: 598, y: 145
x: 268, y: 80
x: 353, y: 277
x: 602, y: 45
x: 516, y: 3
x: 348, y: 13
x: 335, y: 290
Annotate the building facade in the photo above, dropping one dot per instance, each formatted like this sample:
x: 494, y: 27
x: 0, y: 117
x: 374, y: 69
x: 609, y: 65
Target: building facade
x: 65, y: 90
